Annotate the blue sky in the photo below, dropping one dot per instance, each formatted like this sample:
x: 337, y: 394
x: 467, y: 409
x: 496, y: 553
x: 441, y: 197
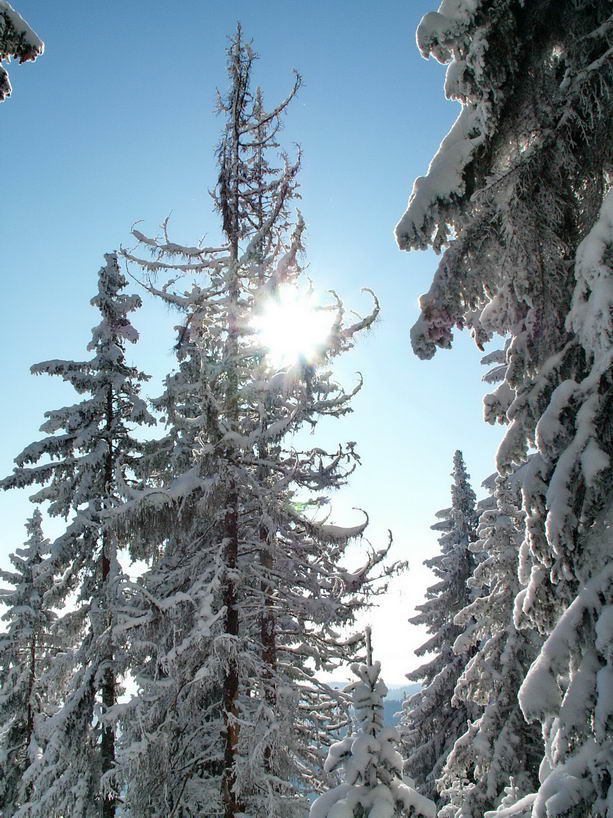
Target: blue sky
x: 115, y: 124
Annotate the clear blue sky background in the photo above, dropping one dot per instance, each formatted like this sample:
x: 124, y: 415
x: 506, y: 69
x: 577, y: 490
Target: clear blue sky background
x: 115, y: 124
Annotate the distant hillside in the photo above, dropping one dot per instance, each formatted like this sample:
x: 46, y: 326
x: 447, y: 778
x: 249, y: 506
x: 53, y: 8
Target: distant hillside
x: 391, y: 712
x: 400, y: 692
x: 393, y: 701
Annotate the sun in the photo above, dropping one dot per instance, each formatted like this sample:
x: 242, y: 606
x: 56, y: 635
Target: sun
x: 292, y: 327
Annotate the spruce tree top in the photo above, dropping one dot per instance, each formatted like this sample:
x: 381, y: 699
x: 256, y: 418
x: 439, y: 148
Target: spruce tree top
x: 373, y: 786
x: 453, y: 566
x: 464, y: 517
x: 24, y: 602
x: 81, y: 437
x: 24, y: 651
x: 228, y: 403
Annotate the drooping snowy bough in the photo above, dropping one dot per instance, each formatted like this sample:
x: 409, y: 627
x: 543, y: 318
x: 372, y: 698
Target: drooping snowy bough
x: 371, y: 764
x: 17, y: 41
x: 519, y: 199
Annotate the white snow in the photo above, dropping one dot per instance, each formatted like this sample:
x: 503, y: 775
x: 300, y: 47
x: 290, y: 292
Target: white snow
x: 444, y: 180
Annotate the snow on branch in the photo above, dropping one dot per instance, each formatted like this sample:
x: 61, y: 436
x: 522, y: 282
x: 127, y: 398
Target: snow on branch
x: 591, y: 314
x: 423, y: 223
x: 18, y: 41
x: 264, y: 118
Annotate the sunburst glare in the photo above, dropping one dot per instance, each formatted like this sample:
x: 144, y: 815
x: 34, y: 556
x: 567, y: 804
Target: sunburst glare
x: 292, y: 327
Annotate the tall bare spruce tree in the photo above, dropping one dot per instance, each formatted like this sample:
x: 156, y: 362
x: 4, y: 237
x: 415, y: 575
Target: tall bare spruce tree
x: 246, y: 603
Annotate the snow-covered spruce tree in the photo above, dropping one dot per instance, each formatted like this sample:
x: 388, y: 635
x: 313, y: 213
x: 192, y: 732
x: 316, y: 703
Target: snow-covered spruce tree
x: 245, y: 607
x: 499, y: 745
x: 432, y: 719
x: 82, y: 465
x: 372, y: 766
x: 519, y: 198
x: 24, y: 656
x: 18, y: 41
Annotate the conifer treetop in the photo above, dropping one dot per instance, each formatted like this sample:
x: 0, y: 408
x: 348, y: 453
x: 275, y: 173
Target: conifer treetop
x: 227, y: 287
x: 24, y: 578
x: 24, y: 658
x: 372, y: 767
x: 79, y: 436
x: 431, y: 723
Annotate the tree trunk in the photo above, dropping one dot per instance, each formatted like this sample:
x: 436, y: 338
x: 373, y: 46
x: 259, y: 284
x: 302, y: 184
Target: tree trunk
x: 268, y: 636
x: 30, y: 711
x: 231, y: 680
x: 31, y: 680
x: 108, y: 688
x: 267, y: 621
x: 231, y: 802
x: 107, y: 745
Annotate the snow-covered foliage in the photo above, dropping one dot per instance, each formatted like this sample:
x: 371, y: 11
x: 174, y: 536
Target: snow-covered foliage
x: 87, y: 456
x: 571, y: 475
x: 499, y: 745
x: 24, y: 657
x: 519, y: 199
x: 493, y: 189
x: 247, y: 595
x: 433, y: 719
x: 482, y: 65
x: 372, y: 766
x: 17, y: 41
x: 569, y: 689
